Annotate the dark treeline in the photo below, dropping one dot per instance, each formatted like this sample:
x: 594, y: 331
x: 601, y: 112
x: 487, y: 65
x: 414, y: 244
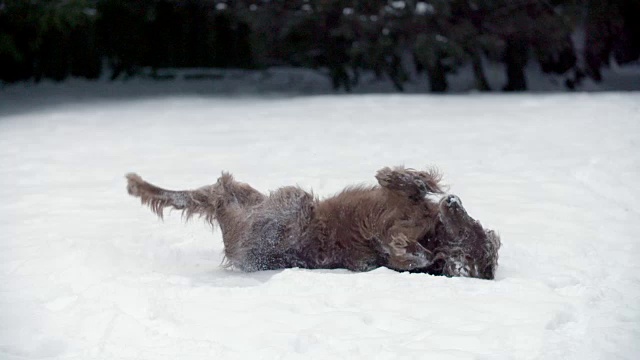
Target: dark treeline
x: 394, y: 39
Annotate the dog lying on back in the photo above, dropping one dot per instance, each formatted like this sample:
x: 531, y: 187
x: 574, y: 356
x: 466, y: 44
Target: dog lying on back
x: 392, y: 224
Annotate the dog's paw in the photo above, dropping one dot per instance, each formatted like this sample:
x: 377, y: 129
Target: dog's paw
x: 407, y: 255
x: 418, y: 257
x: 384, y: 176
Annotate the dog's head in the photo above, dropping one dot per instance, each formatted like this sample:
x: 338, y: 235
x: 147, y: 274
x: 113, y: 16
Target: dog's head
x: 465, y: 246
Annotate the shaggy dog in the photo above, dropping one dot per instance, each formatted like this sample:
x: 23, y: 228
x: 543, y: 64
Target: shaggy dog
x: 393, y: 224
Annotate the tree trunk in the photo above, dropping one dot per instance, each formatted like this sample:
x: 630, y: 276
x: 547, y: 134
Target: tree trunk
x: 515, y: 57
x: 478, y: 71
x: 437, y: 78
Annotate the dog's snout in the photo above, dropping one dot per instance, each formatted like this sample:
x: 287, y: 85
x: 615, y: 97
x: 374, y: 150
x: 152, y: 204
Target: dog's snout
x: 451, y: 205
x: 453, y: 200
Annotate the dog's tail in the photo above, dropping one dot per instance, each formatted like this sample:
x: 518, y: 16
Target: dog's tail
x: 191, y: 202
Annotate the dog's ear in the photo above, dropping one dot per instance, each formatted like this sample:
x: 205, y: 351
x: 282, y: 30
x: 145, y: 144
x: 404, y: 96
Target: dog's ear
x: 491, y: 254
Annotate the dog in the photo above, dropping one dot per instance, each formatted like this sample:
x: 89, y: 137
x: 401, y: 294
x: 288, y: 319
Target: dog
x: 394, y: 224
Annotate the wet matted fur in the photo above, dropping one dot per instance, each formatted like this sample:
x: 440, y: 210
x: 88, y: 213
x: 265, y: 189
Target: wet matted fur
x: 392, y: 224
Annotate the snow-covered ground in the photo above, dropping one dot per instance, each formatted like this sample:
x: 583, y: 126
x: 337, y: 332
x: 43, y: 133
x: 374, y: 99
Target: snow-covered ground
x: 88, y: 273
x: 279, y: 81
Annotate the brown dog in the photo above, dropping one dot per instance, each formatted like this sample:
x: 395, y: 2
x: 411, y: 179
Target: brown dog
x: 393, y: 225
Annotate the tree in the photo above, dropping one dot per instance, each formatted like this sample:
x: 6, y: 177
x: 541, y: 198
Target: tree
x: 18, y: 33
x: 47, y: 39
x: 526, y: 25
x: 612, y: 28
x: 121, y: 29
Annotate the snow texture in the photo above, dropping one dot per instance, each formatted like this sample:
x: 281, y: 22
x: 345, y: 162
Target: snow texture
x: 88, y: 273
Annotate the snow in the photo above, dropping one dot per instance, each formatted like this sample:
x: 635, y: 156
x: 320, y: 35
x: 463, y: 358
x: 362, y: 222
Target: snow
x: 88, y: 273
x: 424, y: 8
x: 287, y: 81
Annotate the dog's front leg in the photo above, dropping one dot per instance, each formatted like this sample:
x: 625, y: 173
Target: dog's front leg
x: 411, y: 183
x: 403, y: 250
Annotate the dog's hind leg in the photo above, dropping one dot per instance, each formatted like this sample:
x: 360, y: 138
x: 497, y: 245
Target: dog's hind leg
x: 205, y: 201
x: 411, y: 183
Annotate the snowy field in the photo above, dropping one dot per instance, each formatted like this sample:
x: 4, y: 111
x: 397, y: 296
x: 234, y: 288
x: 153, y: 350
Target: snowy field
x: 88, y: 273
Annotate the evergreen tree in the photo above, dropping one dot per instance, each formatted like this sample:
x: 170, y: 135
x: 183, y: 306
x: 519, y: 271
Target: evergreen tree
x: 612, y: 28
x: 57, y: 38
x: 18, y: 33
